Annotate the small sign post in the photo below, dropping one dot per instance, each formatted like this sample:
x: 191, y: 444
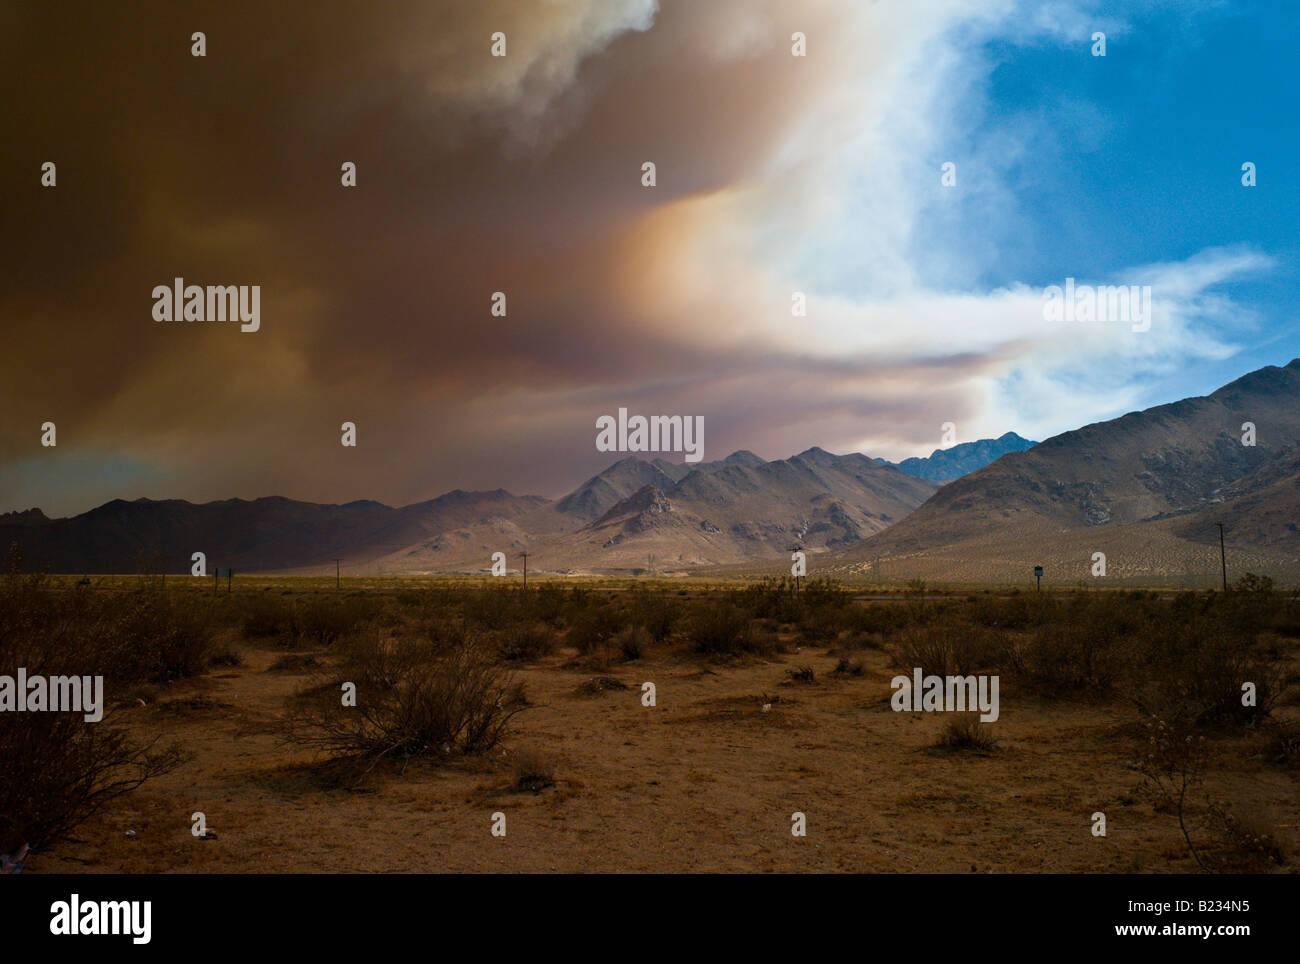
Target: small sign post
x: 1038, y: 575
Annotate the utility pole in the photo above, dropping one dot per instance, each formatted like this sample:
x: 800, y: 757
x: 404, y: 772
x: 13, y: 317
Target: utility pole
x: 1223, y: 559
x: 525, y: 555
x: 338, y: 584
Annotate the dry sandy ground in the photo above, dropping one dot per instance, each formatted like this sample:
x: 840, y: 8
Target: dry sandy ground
x: 1141, y: 555
x: 704, y: 781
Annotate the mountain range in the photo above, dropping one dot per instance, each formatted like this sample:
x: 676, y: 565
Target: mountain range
x: 1146, y: 490
x: 944, y: 465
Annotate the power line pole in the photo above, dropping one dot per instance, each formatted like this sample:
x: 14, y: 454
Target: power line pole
x: 1223, y: 559
x: 525, y: 555
x: 338, y: 583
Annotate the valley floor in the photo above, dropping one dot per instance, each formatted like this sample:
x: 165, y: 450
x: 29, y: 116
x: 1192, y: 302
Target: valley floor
x: 707, y: 780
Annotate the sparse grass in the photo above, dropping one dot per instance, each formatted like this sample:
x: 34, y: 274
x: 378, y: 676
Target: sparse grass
x: 1244, y: 841
x: 966, y: 732
x: 801, y: 674
x: 848, y: 667
x: 533, y: 771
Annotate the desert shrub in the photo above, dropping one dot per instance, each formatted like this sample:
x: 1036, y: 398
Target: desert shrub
x: 547, y: 604
x: 719, y: 626
x: 848, y: 667
x: 577, y: 599
x: 771, y: 598
x: 1282, y: 743
x: 1251, y: 583
x: 269, y: 617
x: 801, y: 674
x: 1019, y: 611
x: 224, y: 653
x: 1196, y: 670
x: 458, y: 701
x: 877, y: 619
x: 1062, y: 657
x: 1242, y: 841
x: 1219, y: 837
x: 323, y: 619
x: 526, y: 640
x: 153, y: 636
x: 60, y: 769
x: 593, y: 627
x: 819, y: 608
x: 533, y: 772
x: 935, y: 649
x: 295, y: 663
x: 951, y: 647
x: 656, y: 613
x: 823, y: 592
x: 633, y: 642
x: 1253, y: 603
x: 140, y: 635
x: 492, y: 608
x: 859, y: 641
x: 821, y: 622
x: 965, y: 732
x: 380, y: 656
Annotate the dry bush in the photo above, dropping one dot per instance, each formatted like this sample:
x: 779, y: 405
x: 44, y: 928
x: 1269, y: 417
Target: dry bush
x: 416, y: 701
x: 380, y: 656
x: 1079, y: 657
x: 848, y: 667
x: 770, y: 598
x: 493, y: 608
x: 525, y: 641
x: 267, y: 616
x: 633, y: 642
x: 856, y: 642
x: 1244, y: 841
x: 324, y: 619
x: 949, y: 648
x: 546, y: 604
x: 60, y: 769
x: 1219, y: 837
x: 1282, y: 744
x: 825, y: 609
x: 1172, y: 765
x: 966, y: 732
x: 140, y: 635
x: 593, y: 628
x: 657, y: 614
x: 718, y: 626
x: 1196, y: 670
x: 533, y: 771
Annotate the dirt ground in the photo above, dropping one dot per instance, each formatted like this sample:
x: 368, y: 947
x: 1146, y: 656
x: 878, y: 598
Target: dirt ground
x: 705, y: 781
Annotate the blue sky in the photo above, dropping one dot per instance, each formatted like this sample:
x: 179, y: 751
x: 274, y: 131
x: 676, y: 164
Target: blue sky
x: 1138, y: 161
